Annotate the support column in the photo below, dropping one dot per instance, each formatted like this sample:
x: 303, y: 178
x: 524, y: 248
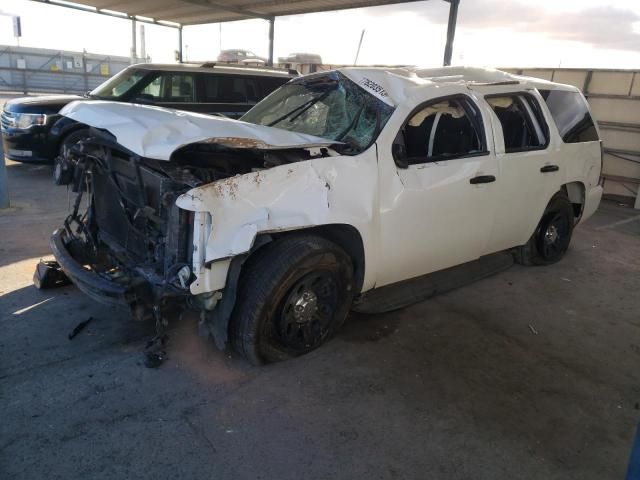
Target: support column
x: 272, y: 22
x: 180, y: 44
x: 134, y: 50
x: 451, y: 30
x: 4, y: 188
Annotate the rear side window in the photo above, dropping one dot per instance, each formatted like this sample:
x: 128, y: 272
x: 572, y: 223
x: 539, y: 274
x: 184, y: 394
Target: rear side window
x: 571, y: 114
x: 224, y: 89
x: 522, y: 122
x: 445, y: 129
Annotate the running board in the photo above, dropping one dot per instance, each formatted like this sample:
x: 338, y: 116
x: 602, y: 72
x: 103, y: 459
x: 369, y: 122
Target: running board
x: 401, y: 294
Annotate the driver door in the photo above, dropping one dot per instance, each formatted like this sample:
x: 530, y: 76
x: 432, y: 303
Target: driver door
x: 439, y: 193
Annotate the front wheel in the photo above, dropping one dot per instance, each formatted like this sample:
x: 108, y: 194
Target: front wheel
x: 292, y: 297
x: 552, y: 236
x: 63, y: 164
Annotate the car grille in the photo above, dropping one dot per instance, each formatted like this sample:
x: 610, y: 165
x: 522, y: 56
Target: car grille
x: 7, y: 119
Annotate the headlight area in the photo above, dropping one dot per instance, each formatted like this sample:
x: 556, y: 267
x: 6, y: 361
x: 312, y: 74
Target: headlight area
x: 25, y: 121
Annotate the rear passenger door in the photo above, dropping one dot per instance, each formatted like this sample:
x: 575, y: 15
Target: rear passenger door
x: 530, y: 170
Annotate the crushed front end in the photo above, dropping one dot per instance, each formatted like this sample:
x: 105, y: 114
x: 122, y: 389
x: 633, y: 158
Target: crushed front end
x: 125, y: 241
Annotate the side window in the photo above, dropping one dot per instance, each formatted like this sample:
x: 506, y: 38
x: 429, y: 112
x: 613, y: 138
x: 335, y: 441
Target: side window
x: 179, y: 88
x: 252, y: 88
x: 445, y: 129
x: 153, y: 89
x: 522, y: 122
x: 225, y: 89
x: 571, y: 114
x: 171, y: 87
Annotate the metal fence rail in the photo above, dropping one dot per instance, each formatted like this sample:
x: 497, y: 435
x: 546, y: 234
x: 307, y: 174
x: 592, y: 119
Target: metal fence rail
x: 33, y: 70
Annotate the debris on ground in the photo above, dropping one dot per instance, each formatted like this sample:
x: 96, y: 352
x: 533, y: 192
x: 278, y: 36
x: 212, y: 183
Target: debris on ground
x: 79, y: 328
x: 48, y: 274
x: 533, y: 330
x: 155, y: 353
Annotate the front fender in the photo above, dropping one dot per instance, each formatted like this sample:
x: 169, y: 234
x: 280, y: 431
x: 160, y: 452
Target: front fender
x: 231, y: 212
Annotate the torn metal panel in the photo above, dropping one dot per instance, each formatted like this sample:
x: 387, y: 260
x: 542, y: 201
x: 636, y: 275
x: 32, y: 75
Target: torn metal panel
x: 155, y: 132
x: 294, y: 196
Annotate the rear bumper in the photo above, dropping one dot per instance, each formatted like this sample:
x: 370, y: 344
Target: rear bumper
x: 100, y: 289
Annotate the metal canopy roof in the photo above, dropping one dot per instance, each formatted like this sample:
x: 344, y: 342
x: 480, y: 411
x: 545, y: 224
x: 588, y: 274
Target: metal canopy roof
x: 179, y: 13
x: 193, y: 12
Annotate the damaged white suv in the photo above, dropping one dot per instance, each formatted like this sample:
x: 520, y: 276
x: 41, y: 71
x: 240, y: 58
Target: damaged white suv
x: 344, y: 189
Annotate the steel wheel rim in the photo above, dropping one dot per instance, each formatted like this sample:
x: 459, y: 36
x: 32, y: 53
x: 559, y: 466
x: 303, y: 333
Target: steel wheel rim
x: 554, y: 238
x: 304, y: 320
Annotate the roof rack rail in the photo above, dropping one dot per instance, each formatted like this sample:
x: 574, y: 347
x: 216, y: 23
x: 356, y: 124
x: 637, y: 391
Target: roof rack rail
x: 208, y: 64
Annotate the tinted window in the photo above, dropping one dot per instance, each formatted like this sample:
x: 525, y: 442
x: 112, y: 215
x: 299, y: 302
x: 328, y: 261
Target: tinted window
x: 228, y: 89
x: 446, y: 129
x: 571, y: 114
x: 521, y: 120
x: 269, y: 84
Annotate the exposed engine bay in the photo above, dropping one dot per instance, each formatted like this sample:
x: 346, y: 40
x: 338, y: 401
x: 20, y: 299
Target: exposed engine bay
x: 125, y: 226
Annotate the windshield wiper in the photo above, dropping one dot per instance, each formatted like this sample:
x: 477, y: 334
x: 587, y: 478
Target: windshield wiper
x: 300, y: 109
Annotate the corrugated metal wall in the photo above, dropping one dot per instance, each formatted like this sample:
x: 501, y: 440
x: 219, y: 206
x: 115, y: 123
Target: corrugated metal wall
x: 31, y: 70
x: 614, y: 96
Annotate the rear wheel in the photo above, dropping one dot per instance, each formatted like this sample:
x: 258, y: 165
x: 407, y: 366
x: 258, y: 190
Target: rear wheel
x: 293, y: 296
x: 552, y: 236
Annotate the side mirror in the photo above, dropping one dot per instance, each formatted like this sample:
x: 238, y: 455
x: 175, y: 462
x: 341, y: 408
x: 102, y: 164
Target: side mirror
x: 399, y: 152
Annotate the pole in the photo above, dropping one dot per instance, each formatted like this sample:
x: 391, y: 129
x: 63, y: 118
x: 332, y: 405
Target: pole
x: 272, y: 22
x: 143, y: 46
x: 451, y: 31
x: 355, y: 62
x: 134, y: 53
x: 180, y: 44
x: 4, y: 189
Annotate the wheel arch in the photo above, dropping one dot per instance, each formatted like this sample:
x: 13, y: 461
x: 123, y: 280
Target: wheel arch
x: 344, y: 235
x: 62, y: 129
x: 576, y: 193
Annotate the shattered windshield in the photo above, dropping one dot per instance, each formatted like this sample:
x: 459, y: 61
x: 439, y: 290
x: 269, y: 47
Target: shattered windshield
x: 329, y: 106
x: 120, y: 84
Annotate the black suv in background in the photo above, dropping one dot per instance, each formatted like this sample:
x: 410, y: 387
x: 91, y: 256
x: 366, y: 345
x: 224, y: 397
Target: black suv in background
x: 33, y: 130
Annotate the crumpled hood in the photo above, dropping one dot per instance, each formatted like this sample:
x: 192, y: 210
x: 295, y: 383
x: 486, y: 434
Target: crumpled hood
x: 156, y: 132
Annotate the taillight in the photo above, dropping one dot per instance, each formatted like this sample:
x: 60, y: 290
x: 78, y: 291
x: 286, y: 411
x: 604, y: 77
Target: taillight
x: 601, y: 160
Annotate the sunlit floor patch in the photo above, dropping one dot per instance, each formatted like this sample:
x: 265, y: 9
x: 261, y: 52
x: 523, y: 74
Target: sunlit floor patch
x: 26, y: 309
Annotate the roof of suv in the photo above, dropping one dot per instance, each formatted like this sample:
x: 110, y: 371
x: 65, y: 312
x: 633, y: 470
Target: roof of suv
x: 213, y: 68
x: 394, y: 85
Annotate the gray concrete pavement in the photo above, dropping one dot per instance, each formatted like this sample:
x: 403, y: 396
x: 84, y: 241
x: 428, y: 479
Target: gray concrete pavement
x: 457, y: 387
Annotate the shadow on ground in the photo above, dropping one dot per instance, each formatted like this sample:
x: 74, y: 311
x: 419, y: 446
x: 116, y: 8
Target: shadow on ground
x: 531, y: 373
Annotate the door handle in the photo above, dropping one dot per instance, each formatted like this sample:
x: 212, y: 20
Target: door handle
x: 550, y: 168
x: 482, y: 179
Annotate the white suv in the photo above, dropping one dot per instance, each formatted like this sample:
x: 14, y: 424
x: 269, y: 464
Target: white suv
x: 336, y: 191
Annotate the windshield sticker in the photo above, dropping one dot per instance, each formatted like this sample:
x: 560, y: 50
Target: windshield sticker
x: 374, y: 87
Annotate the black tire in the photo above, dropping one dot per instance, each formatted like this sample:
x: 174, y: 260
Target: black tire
x: 293, y: 295
x: 552, y: 236
x: 62, y: 165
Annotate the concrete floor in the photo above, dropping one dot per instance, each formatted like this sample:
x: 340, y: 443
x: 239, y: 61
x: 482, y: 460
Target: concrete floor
x: 457, y: 387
